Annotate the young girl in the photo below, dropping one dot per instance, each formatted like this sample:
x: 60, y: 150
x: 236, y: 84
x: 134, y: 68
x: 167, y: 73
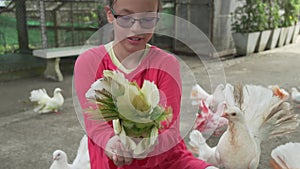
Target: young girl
x: 134, y: 22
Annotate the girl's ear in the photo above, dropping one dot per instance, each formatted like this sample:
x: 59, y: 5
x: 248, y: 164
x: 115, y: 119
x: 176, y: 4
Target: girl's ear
x: 109, y: 15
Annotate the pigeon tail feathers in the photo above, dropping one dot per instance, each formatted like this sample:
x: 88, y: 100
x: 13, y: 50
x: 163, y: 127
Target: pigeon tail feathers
x: 82, y: 159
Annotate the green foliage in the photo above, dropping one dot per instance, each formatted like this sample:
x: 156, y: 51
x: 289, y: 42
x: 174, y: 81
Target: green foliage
x: 250, y: 17
x: 274, y: 16
x: 291, y: 12
x: 9, y: 48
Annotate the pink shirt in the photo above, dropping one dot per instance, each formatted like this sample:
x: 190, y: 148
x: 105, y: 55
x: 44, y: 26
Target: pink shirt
x: 157, y: 66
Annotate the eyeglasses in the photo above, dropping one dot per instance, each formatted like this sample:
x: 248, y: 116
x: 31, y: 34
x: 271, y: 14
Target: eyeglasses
x: 126, y: 21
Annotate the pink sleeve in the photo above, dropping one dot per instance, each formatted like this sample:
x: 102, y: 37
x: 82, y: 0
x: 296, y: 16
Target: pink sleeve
x: 85, y: 72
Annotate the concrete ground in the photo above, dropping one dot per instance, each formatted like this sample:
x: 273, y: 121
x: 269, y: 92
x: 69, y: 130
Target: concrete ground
x: 27, y: 139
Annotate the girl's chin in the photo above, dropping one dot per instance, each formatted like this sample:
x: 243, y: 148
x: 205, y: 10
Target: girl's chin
x: 135, y: 45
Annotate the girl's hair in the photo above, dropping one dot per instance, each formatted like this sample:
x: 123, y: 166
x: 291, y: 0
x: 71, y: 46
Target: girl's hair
x: 111, y: 3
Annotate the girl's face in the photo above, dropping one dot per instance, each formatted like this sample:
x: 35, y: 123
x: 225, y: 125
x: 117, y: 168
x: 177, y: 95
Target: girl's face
x: 134, y: 27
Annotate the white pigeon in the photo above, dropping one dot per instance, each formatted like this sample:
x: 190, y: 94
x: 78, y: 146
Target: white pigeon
x: 256, y: 114
x: 209, y: 120
x: 45, y: 103
x: 295, y: 95
x: 81, y: 161
x: 286, y: 156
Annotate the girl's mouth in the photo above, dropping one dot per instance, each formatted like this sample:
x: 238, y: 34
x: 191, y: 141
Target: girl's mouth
x: 134, y: 38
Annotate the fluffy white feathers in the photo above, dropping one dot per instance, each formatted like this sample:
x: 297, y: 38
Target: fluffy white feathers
x: 211, y: 107
x: 286, y: 156
x: 295, y: 95
x: 46, y: 103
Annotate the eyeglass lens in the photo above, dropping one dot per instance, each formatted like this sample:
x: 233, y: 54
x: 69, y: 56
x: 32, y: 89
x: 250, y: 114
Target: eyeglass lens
x: 146, y: 22
x: 127, y: 21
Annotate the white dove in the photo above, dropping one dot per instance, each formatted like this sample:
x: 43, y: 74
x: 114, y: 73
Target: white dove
x: 81, y: 161
x: 256, y: 114
x: 45, y: 103
x: 286, y: 156
x: 295, y: 95
x: 209, y: 120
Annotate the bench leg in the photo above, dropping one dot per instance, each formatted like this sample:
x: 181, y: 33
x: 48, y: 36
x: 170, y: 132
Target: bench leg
x: 52, y: 71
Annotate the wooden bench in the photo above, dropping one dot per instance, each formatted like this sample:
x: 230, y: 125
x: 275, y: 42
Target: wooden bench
x: 53, y: 56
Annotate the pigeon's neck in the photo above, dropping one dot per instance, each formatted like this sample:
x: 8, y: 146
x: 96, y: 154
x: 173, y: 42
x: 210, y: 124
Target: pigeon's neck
x: 237, y: 130
x: 58, y: 95
x: 63, y: 164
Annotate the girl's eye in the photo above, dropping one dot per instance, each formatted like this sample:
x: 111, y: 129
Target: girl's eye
x: 125, y: 18
x: 148, y: 19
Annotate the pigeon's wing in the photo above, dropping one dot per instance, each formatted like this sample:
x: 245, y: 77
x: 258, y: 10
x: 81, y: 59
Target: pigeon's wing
x: 82, y: 159
x: 198, y: 92
x: 229, y: 96
x: 217, y: 97
x: 287, y: 155
x: 40, y: 96
x: 205, y: 152
x: 38, y: 108
x: 295, y: 95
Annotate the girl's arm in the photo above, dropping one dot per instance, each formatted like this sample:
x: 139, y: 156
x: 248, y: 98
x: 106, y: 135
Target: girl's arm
x: 85, y: 72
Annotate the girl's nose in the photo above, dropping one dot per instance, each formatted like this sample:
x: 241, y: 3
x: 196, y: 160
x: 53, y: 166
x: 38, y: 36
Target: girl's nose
x: 136, y: 27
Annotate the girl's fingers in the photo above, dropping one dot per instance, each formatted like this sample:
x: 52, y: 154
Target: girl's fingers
x: 120, y: 153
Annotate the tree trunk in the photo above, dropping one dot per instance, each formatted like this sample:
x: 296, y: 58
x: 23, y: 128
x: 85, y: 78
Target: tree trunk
x: 43, y: 24
x: 22, y: 25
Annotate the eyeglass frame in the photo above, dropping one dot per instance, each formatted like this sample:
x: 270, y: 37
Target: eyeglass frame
x: 133, y: 20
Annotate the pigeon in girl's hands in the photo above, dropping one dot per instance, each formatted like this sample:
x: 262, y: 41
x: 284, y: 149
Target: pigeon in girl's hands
x: 286, y: 156
x: 256, y: 114
x: 45, y: 103
x: 81, y: 161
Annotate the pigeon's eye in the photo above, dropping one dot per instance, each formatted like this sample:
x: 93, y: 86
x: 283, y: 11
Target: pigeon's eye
x: 233, y: 114
x: 58, y: 154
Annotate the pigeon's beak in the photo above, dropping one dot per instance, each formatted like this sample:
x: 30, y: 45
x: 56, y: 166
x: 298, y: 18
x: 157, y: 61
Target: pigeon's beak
x: 225, y: 115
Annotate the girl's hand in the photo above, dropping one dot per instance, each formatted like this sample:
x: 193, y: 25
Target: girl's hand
x: 116, y: 151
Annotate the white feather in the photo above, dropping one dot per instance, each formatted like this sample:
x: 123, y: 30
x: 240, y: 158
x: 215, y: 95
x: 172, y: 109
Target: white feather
x: 204, y: 151
x: 81, y: 161
x: 287, y: 155
x: 209, y: 120
x: 295, y: 95
x: 45, y: 103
